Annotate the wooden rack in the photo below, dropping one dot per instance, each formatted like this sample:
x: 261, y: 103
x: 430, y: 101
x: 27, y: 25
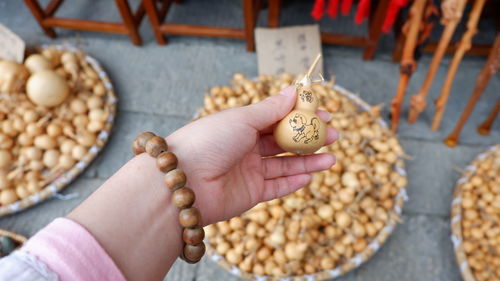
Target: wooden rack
x: 47, y: 20
x: 157, y: 17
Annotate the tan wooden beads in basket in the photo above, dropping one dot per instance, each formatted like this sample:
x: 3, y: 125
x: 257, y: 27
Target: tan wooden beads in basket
x: 475, y: 218
x: 182, y: 197
x: 56, y: 113
x: 335, y: 223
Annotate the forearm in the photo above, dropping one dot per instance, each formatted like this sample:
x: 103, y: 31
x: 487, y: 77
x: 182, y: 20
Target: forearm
x: 132, y: 218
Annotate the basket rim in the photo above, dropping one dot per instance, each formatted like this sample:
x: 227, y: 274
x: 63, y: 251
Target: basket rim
x: 456, y: 213
x: 16, y: 236
x: 359, y: 258
x: 52, y: 189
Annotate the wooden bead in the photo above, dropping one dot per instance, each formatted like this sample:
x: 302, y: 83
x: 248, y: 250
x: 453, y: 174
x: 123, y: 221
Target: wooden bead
x: 193, y: 236
x: 166, y: 161
x: 183, y: 198
x: 155, y: 146
x: 175, y: 179
x: 139, y: 144
x: 189, y: 217
x: 194, y: 253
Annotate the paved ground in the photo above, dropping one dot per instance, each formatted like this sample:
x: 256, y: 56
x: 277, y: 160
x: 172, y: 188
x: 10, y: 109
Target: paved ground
x: 160, y: 87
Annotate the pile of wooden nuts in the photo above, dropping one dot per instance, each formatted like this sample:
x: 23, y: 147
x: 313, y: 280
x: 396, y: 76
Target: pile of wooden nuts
x: 332, y: 220
x: 52, y: 108
x: 481, y: 218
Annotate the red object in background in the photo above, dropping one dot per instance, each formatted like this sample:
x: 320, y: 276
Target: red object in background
x: 363, y: 11
x: 346, y: 6
x: 333, y: 7
x: 318, y: 9
x: 392, y: 12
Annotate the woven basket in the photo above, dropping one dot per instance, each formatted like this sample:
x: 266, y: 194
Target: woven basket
x: 16, y: 237
x: 357, y: 260
x: 456, y: 214
x: 68, y: 176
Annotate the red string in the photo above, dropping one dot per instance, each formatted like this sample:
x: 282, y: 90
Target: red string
x: 346, y: 6
x: 333, y: 7
x: 318, y: 9
x: 363, y: 11
x: 392, y: 12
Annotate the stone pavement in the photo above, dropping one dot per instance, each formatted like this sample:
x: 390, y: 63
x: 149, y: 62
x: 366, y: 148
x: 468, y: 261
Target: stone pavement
x: 160, y: 88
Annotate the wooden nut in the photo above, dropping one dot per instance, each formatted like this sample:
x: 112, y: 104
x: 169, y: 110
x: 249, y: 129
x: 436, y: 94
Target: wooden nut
x: 155, y: 146
x: 194, y: 253
x: 183, y: 198
x: 175, y: 179
x: 189, y: 217
x: 193, y: 236
x: 166, y: 161
x: 139, y: 144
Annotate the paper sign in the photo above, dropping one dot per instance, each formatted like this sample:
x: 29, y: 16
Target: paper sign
x: 287, y: 49
x: 11, y: 45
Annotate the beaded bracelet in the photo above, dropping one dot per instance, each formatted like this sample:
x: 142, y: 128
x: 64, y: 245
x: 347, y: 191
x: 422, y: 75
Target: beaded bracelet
x: 182, y: 197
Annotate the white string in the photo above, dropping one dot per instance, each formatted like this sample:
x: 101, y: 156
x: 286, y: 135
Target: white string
x: 457, y: 200
x: 65, y: 197
x: 334, y: 273
x: 456, y: 242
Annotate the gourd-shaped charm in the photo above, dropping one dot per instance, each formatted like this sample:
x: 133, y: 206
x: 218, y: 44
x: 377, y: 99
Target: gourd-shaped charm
x: 302, y: 131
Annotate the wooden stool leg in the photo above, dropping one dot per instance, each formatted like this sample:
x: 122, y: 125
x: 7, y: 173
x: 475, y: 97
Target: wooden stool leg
x: 485, y: 127
x: 39, y: 15
x: 249, y: 15
x: 375, y: 29
x: 150, y: 7
x: 464, y: 46
x: 273, y: 16
x: 128, y: 19
x: 482, y: 81
x: 408, y: 64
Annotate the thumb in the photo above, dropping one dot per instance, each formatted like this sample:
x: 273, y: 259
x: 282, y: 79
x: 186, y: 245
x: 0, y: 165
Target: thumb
x: 269, y: 111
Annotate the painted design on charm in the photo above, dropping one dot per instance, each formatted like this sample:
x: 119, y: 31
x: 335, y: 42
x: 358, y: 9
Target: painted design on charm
x: 306, y: 96
x: 305, y: 131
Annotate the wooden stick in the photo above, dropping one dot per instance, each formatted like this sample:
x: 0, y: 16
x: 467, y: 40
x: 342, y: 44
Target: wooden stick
x: 463, y: 46
x: 452, y: 13
x: 313, y: 65
x: 306, y: 80
x: 489, y: 68
x: 485, y: 127
x: 408, y: 64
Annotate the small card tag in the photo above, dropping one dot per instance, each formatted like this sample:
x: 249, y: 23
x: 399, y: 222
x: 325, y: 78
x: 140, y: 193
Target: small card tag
x: 11, y: 45
x: 288, y: 49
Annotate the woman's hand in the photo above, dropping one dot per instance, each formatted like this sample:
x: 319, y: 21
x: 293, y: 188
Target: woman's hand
x: 222, y: 156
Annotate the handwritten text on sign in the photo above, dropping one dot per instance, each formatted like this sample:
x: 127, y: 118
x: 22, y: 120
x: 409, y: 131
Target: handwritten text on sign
x: 288, y: 49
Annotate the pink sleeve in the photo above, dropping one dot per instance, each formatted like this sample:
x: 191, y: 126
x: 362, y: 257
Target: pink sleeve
x: 72, y: 252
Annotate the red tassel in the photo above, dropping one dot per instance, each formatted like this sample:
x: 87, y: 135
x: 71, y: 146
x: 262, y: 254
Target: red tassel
x: 363, y: 11
x: 318, y: 9
x: 333, y: 7
x: 346, y: 7
x: 392, y: 12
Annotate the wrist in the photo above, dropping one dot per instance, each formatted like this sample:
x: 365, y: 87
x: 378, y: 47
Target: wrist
x: 133, y: 219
